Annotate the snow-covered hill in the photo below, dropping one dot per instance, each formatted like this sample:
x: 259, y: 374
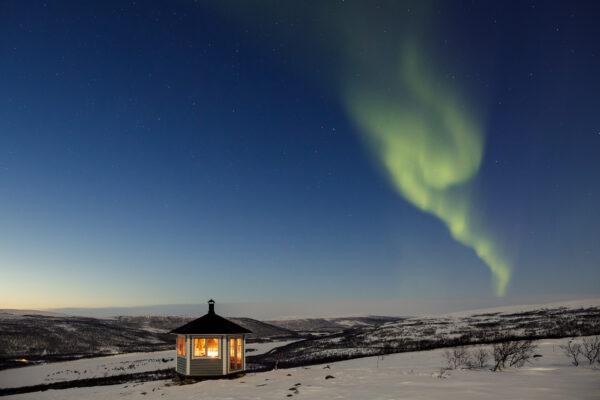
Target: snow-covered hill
x: 263, y: 330
x: 260, y: 330
x: 423, y: 333
x: 53, y: 338
x: 331, y: 325
x: 13, y: 313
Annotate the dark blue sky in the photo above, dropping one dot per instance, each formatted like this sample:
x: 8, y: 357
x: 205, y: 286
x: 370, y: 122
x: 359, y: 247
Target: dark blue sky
x: 167, y: 152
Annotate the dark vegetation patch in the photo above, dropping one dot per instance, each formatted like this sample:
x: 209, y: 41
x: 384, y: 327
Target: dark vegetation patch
x: 28, y: 340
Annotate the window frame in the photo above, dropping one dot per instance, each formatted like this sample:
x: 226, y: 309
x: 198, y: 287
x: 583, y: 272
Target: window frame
x: 206, y: 356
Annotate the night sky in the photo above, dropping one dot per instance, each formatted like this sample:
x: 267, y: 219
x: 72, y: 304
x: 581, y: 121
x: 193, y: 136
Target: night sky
x: 168, y: 152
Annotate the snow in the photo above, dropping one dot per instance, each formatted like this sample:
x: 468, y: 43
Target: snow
x: 262, y: 348
x: 416, y: 375
x: 96, y: 367
x: 571, y: 305
x: 349, y: 323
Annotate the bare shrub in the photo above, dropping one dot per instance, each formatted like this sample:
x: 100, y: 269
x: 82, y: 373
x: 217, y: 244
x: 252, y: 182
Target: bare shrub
x: 479, y: 357
x: 573, y: 351
x: 512, y: 353
x: 590, y: 348
x: 457, y: 357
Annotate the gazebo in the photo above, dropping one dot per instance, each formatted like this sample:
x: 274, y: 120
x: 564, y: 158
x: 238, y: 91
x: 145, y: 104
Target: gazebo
x: 210, y: 346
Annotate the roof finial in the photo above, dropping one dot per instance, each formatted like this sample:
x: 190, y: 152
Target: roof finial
x: 211, y: 306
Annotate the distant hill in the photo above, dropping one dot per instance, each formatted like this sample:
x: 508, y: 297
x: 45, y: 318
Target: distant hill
x: 331, y: 325
x: 260, y: 330
x: 12, y: 313
x: 264, y: 330
x: 51, y: 338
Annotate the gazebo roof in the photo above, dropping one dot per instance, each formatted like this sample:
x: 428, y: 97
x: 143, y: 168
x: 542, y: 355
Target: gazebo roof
x: 210, y: 323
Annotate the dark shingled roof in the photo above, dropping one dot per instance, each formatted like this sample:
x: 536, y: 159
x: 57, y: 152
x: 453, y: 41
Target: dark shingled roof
x: 210, y: 323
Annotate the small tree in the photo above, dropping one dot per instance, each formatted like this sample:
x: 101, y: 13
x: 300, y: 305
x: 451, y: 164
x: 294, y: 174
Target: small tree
x: 590, y: 348
x: 512, y: 353
x: 479, y: 357
x: 457, y: 357
x: 573, y: 351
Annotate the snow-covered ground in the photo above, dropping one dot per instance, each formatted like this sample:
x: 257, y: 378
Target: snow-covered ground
x: 96, y: 367
x: 99, y: 367
x: 399, y: 376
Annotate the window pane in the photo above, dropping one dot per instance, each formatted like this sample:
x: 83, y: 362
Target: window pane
x: 181, y: 346
x: 232, y: 353
x: 212, y: 347
x: 199, y: 347
x: 239, y: 353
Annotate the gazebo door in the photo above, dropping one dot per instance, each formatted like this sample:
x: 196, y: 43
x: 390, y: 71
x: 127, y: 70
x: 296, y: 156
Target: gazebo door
x: 235, y: 354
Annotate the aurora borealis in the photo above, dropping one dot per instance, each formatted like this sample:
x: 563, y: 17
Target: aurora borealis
x: 263, y: 151
x: 425, y: 135
x: 431, y: 148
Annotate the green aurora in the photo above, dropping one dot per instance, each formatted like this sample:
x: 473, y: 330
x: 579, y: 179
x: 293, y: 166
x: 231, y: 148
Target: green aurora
x: 428, y: 144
